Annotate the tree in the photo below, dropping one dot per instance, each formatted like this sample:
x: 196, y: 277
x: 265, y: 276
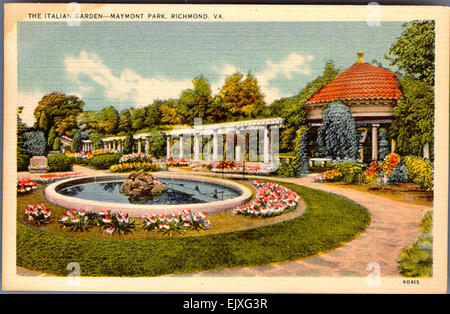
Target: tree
x: 108, y: 120
x: 413, y: 54
x: 157, y: 144
x: 76, y: 143
x: 292, y: 109
x: 413, y: 51
x: 338, y: 137
x: 194, y: 103
x: 413, y: 124
x: 138, y: 118
x: 383, y: 144
x: 58, y: 110
x: 22, y: 158
x: 153, y: 115
x: 128, y: 144
x: 242, y: 97
x: 51, y: 137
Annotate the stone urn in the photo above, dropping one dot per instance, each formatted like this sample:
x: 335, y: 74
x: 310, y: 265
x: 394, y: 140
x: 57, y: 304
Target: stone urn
x: 141, y: 184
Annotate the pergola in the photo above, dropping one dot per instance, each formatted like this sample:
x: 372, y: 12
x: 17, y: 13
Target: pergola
x: 225, y: 141
x: 371, y: 92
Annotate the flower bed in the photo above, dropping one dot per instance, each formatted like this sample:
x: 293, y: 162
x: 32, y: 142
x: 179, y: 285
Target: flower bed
x: 136, y: 166
x: 176, y: 222
x: 393, y: 169
x: 136, y: 158
x: 270, y: 200
x: 255, y: 170
x: 53, y: 177
x: 81, y: 155
x: 37, y: 214
x: 182, y: 162
x: 74, y: 220
x: 25, y: 185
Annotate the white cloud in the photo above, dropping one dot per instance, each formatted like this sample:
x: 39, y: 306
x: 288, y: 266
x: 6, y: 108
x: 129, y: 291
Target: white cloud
x: 29, y: 102
x: 292, y: 64
x: 128, y: 87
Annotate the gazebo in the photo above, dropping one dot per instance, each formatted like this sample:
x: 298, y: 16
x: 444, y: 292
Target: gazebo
x: 370, y: 91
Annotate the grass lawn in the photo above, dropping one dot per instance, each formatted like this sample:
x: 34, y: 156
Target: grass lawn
x: 329, y: 222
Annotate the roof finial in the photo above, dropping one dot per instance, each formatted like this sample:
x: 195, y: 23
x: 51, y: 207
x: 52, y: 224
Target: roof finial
x: 360, y: 55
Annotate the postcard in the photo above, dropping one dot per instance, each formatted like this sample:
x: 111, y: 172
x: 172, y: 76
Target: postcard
x: 225, y: 148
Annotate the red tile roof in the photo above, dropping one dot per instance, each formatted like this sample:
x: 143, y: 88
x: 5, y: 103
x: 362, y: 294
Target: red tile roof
x: 360, y: 81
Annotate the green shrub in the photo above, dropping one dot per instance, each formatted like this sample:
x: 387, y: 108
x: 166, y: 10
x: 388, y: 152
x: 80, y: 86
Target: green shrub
x: 417, y: 259
x: 104, y: 161
x: 352, y: 172
x: 59, y: 163
x: 420, y: 171
x: 34, y: 143
x: 287, y: 169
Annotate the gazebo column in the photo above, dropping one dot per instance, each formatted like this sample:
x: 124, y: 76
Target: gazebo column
x: 115, y: 146
x: 393, y: 145
x: 266, y: 145
x: 196, y: 147
x: 215, y: 140
x: 168, y: 146
x: 375, y: 141
x: 181, y: 145
x: 274, y: 144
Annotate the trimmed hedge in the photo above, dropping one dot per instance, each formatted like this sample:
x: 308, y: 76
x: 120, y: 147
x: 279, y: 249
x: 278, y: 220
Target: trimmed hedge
x: 329, y: 222
x: 59, y: 163
x: 104, y: 161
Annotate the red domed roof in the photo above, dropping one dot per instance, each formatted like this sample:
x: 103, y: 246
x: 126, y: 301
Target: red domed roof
x: 360, y: 81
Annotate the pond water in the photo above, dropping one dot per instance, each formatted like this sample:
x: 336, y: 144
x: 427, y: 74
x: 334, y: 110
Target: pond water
x: 178, y: 191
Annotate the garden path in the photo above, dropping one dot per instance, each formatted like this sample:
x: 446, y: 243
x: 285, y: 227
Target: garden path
x: 394, y: 225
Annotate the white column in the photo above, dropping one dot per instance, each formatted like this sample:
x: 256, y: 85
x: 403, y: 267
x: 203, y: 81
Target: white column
x: 181, y: 145
x: 266, y: 145
x: 230, y: 146
x: 393, y: 145
x: 274, y: 144
x: 215, y: 146
x: 139, y: 146
x: 147, y: 145
x: 239, y: 139
x: 426, y: 151
x: 196, y: 147
x: 375, y: 141
x: 168, y: 147
x: 115, y: 146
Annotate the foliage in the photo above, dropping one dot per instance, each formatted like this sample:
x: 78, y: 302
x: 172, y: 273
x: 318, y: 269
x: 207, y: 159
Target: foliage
x: 420, y: 171
x: 389, y: 163
x: 338, y: 137
x: 115, y: 222
x: 59, y: 163
x: 135, y: 166
x: 22, y: 158
x: 174, y: 223
x: 413, y: 124
x: 108, y: 121
x: 104, y: 161
x: 329, y: 176
x: 128, y: 144
x: 194, y: 103
x: 351, y: 172
x: 292, y: 109
x: 335, y: 220
x: 413, y: 52
x: 157, y: 146
x: 399, y: 174
x: 242, y: 97
x: 58, y: 110
x: 34, y: 143
x: 287, y: 169
x: 76, y: 142
x: 416, y: 260
x: 56, y: 144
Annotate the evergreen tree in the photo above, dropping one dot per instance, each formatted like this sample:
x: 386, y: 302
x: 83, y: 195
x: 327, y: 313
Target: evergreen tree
x: 383, y: 144
x: 338, y: 137
x: 22, y: 158
x: 128, y: 144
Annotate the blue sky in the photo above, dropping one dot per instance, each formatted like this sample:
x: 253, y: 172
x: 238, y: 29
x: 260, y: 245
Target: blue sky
x: 133, y: 63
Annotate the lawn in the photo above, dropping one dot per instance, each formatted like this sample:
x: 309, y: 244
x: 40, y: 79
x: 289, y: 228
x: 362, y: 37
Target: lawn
x: 329, y: 222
